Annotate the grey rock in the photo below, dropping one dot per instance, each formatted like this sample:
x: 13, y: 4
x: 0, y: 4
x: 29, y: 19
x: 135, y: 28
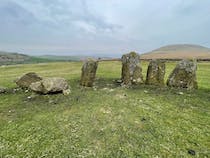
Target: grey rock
x: 26, y: 80
x: 131, y: 69
x: 156, y: 73
x: 88, y: 73
x: 50, y: 85
x: 184, y: 75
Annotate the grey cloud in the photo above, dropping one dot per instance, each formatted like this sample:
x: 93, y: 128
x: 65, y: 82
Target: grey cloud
x: 68, y: 12
x: 102, y: 26
x: 11, y: 12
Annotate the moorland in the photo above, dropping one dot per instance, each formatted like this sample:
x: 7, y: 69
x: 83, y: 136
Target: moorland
x: 106, y: 120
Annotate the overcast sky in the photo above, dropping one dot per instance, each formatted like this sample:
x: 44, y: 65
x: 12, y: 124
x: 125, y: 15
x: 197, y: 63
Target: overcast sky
x: 102, y: 27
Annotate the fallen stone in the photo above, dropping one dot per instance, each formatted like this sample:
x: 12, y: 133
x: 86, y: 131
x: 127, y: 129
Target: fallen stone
x: 51, y: 85
x: 3, y: 90
x: 88, y: 73
x: 15, y: 90
x: 191, y: 152
x: 66, y: 92
x: 180, y: 93
x: 184, y: 75
x: 26, y: 80
x: 118, y: 81
x: 131, y: 69
x: 156, y: 73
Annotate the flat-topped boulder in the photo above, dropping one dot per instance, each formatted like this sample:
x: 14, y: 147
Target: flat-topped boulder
x: 184, y: 75
x: 26, y: 80
x: 50, y: 85
x: 88, y: 73
x: 156, y: 73
x: 131, y: 69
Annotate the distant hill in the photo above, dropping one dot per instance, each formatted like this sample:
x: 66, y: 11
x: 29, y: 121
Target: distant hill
x: 62, y: 58
x: 72, y: 58
x: 12, y: 57
x: 179, y: 51
x: 7, y: 58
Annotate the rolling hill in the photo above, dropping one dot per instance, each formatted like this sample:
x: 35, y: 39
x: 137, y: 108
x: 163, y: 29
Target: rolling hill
x: 62, y: 58
x: 12, y: 57
x: 7, y: 58
x: 179, y: 51
x: 74, y: 58
x: 171, y: 52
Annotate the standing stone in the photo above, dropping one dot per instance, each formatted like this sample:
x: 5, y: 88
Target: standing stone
x: 26, y: 80
x: 131, y: 69
x: 156, y: 73
x: 88, y: 73
x: 184, y: 75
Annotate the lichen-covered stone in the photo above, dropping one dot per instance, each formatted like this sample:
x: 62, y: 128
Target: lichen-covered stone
x: 50, y: 85
x: 88, y: 73
x: 26, y: 80
x: 184, y: 75
x: 156, y: 72
x: 131, y: 69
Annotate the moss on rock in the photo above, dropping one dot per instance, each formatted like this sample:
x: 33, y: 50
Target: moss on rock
x: 156, y: 73
x: 26, y: 80
x: 131, y: 69
x: 88, y: 73
x: 50, y: 85
x: 184, y: 75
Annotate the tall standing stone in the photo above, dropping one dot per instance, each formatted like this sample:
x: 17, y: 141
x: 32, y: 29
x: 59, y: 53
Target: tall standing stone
x: 131, y: 69
x: 184, y: 75
x: 88, y: 73
x: 156, y: 72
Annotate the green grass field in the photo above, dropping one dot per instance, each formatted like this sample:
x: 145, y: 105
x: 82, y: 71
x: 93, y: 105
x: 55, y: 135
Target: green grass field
x: 106, y: 121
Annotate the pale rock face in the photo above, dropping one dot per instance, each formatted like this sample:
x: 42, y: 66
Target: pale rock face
x: 50, y: 85
x: 88, y: 73
x: 26, y: 80
x: 184, y: 75
x: 66, y: 92
x: 131, y: 69
x: 156, y: 73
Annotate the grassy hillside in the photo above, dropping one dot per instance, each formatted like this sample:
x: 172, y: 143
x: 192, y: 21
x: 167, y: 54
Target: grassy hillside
x: 8, y: 58
x: 179, y: 52
x: 61, y: 58
x: 72, y: 58
x: 106, y: 121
